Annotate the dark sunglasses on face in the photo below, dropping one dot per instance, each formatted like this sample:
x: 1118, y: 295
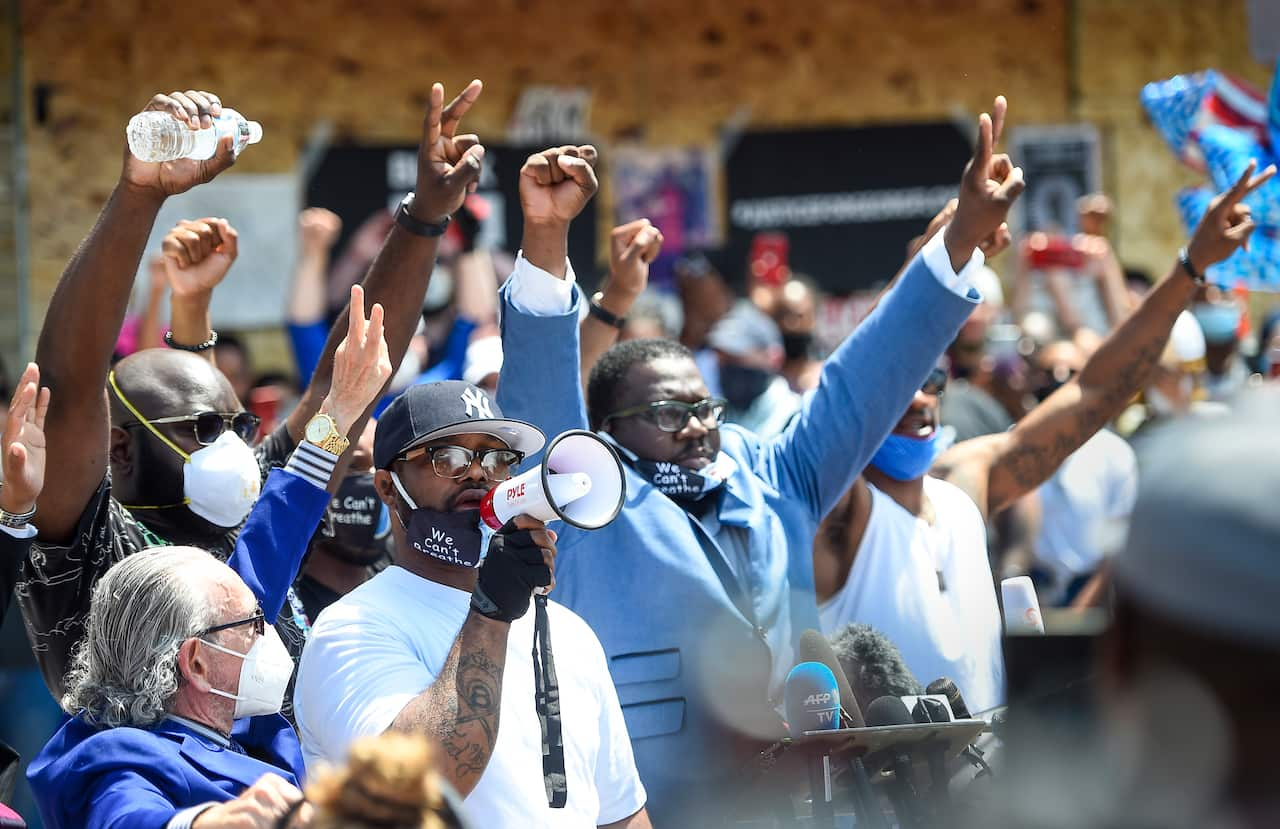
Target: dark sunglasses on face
x: 673, y: 415
x: 258, y: 620
x: 454, y: 461
x: 209, y: 426
x: 935, y: 383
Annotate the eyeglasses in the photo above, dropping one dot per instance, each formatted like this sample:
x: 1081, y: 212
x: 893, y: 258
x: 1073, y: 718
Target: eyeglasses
x: 935, y: 383
x: 209, y: 426
x: 258, y: 620
x: 673, y: 415
x: 454, y: 461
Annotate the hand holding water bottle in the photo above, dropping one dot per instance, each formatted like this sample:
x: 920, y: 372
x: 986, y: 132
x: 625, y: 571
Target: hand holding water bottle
x: 180, y: 124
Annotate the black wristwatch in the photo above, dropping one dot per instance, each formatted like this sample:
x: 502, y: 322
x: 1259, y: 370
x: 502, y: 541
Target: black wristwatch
x: 418, y: 228
x: 1185, y: 261
x: 603, y: 314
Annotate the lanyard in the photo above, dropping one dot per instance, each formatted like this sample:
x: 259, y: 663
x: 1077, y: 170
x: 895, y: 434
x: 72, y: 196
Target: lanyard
x: 547, y: 699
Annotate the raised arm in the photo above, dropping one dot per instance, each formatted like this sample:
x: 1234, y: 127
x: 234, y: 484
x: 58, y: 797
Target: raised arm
x: 88, y: 306
x: 869, y: 381
x: 198, y: 254
x: 276, y: 535
x: 540, y: 379
x: 631, y: 248
x: 1017, y: 461
x: 448, y: 168
x: 306, y: 320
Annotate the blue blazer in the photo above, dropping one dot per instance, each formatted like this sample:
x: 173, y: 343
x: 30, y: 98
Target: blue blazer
x: 700, y: 617
x: 88, y: 777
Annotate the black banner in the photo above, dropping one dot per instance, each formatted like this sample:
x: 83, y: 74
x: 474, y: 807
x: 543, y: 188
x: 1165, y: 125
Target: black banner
x: 848, y: 200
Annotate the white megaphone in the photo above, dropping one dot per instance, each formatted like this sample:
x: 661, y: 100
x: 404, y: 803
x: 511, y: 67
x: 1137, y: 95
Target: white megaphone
x: 579, y: 482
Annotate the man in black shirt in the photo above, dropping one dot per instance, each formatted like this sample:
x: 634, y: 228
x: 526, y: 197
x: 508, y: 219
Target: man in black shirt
x: 174, y: 443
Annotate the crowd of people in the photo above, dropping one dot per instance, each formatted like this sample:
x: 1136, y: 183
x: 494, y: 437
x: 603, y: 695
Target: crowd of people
x: 270, y: 600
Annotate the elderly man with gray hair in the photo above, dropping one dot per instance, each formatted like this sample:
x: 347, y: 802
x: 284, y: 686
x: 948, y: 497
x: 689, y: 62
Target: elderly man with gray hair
x: 175, y: 690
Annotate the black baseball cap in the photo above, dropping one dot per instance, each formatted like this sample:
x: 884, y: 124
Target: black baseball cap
x: 426, y: 412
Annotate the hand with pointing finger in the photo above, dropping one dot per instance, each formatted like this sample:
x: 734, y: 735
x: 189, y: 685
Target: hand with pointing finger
x: 988, y: 188
x: 1227, y: 224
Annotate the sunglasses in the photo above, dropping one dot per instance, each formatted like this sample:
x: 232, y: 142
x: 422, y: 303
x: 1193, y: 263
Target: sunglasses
x: 673, y: 415
x: 935, y: 383
x: 209, y: 426
x: 455, y: 461
x: 258, y: 620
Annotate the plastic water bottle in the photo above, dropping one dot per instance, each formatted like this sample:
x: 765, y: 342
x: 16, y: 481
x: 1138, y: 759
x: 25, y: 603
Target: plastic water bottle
x: 158, y: 136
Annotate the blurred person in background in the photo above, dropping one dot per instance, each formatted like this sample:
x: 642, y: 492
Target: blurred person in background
x: 483, y: 362
x: 307, y: 317
x: 353, y: 542
x: 1220, y: 315
x: 1175, y: 387
x: 970, y: 406
x: 748, y: 349
x: 796, y: 314
x: 387, y: 782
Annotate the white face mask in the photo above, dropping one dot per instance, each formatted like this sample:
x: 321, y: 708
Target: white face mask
x: 264, y: 676
x: 221, y: 481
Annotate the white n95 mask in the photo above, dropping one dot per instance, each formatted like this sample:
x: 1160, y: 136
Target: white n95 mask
x: 221, y: 481
x: 264, y: 675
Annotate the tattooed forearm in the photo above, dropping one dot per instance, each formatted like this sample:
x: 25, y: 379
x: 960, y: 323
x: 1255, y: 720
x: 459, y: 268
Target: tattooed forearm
x: 460, y: 709
x: 1120, y: 368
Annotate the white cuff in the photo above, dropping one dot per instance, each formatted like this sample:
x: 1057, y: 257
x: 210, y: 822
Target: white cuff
x: 184, y: 819
x: 311, y: 463
x: 25, y: 531
x: 939, y: 263
x: 534, y: 291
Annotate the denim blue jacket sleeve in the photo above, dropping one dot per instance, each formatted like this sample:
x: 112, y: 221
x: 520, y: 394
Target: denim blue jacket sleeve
x: 275, y: 536
x: 540, y: 378
x: 865, y: 387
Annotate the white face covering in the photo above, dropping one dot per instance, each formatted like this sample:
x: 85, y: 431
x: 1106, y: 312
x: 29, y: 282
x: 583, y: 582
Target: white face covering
x: 221, y: 481
x: 264, y: 676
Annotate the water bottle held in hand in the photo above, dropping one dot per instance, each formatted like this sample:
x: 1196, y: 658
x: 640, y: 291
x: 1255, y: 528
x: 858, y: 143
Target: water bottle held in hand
x: 158, y: 136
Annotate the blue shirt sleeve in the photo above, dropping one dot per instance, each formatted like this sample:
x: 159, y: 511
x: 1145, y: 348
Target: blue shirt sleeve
x: 865, y: 387
x: 274, y: 538
x: 307, y: 342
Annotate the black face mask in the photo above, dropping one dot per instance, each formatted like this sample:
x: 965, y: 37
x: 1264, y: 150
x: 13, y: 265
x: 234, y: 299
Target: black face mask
x: 451, y: 537
x: 357, y: 524
x: 741, y: 385
x: 797, y: 346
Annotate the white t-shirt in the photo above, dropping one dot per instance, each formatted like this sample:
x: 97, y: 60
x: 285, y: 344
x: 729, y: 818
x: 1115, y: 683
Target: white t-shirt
x: 944, y: 626
x: 381, y: 645
x: 1085, y: 508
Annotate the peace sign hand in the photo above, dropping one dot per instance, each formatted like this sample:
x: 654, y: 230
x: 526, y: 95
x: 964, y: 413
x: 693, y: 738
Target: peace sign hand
x: 988, y: 189
x: 448, y: 164
x: 1226, y: 225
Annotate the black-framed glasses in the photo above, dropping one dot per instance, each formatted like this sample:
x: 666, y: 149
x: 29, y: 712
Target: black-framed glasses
x: 258, y: 620
x: 209, y: 426
x: 935, y: 383
x: 453, y: 461
x: 673, y: 415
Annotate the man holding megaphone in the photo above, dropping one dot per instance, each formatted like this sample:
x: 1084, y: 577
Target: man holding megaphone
x: 441, y: 643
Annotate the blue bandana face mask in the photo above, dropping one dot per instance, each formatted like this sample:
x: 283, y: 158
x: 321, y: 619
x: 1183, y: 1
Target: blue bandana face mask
x: 906, y: 458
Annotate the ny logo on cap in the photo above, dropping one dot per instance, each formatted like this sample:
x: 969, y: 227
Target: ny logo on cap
x: 477, y: 404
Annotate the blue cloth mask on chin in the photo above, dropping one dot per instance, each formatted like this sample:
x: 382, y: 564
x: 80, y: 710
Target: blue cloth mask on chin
x: 906, y: 458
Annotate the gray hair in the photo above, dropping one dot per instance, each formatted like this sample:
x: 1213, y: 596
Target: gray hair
x: 125, y: 669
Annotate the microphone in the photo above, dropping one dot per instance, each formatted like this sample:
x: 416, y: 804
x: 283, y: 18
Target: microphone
x: 812, y: 701
x: 814, y: 647
x: 890, y: 710
x: 946, y: 686
x: 1021, y: 607
x: 874, y: 665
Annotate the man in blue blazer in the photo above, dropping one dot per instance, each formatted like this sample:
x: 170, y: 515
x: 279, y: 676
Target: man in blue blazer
x: 701, y: 587
x: 175, y: 690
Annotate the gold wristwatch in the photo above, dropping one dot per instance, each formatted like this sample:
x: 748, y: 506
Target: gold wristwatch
x: 322, y: 430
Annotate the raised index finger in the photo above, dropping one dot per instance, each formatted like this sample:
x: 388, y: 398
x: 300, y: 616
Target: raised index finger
x: 458, y: 107
x: 431, y: 125
x: 982, y: 153
x: 355, y: 320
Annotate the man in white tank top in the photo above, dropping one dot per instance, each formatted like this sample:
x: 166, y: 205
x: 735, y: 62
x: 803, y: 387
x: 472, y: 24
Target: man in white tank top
x: 906, y: 551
